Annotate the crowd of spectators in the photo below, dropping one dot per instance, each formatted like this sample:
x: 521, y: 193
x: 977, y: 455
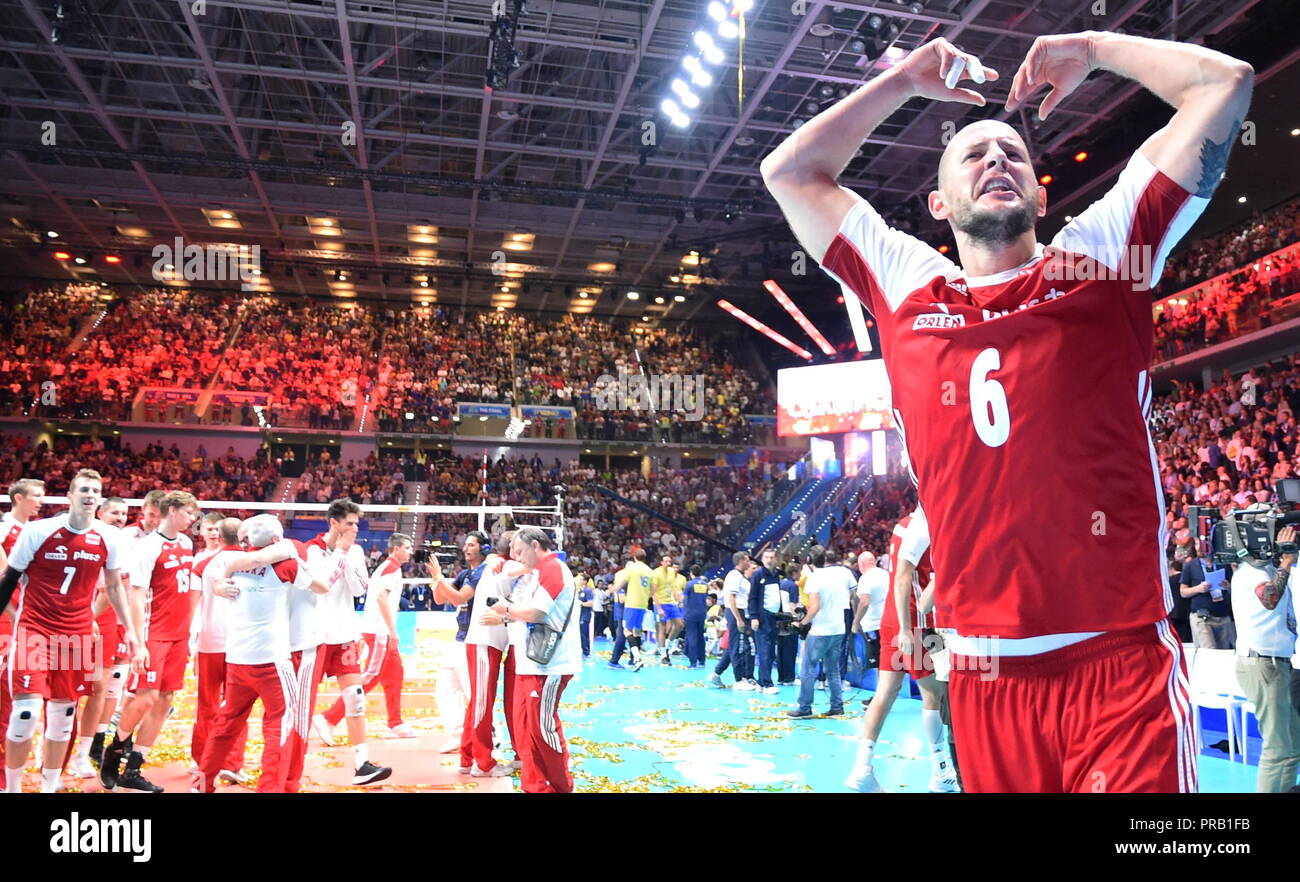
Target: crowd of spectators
x: 375, y: 480
x: 1227, y: 305
x: 1233, y: 248
x: 868, y: 528
x: 131, y: 474
x: 39, y: 329
x: 313, y: 360
x: 1226, y: 447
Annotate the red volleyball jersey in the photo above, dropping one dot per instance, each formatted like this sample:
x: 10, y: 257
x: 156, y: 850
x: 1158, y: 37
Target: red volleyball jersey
x: 162, y: 568
x: 62, y: 568
x: 1023, y: 400
x: 910, y: 540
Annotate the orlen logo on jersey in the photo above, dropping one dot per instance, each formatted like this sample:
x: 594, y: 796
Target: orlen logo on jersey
x: 931, y: 321
x: 60, y: 552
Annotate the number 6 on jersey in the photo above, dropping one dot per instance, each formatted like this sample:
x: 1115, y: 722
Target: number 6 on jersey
x: 988, y: 400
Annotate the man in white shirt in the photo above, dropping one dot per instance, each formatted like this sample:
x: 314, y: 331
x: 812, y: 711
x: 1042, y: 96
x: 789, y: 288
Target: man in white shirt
x: 379, y: 631
x: 257, y: 658
x: 1265, y: 644
x: 828, y: 590
x: 546, y: 595
x: 873, y: 590
x: 735, y: 599
x: 487, y: 651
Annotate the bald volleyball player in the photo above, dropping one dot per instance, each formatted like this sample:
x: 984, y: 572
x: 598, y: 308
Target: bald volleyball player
x: 991, y: 357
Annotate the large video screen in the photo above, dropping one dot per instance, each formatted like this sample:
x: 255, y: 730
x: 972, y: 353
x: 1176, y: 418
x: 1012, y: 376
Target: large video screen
x: 824, y: 399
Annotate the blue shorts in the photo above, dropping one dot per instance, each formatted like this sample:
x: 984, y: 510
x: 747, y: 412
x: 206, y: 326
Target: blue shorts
x: 634, y: 618
x: 669, y: 611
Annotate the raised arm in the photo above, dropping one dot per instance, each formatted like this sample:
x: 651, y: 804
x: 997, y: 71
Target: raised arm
x: 802, y: 173
x: 1209, y: 91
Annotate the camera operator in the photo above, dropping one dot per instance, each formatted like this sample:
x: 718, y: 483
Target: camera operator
x: 1261, y: 601
x: 1211, y: 614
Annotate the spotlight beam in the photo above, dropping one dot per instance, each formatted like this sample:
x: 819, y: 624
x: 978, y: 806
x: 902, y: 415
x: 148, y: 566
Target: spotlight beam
x: 797, y: 314
x: 764, y: 329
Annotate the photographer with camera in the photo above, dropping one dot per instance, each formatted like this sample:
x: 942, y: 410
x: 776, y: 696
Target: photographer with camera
x: 829, y: 590
x: 1266, y: 640
x: 1211, y: 618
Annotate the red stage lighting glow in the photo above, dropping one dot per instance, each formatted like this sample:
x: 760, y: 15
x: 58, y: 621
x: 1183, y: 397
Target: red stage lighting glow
x: 1081, y: 156
x: 112, y: 258
x: 764, y: 329
x: 808, y: 327
x: 1046, y: 179
x: 62, y: 255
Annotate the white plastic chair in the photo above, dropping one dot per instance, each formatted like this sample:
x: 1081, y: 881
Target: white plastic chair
x: 1213, y: 684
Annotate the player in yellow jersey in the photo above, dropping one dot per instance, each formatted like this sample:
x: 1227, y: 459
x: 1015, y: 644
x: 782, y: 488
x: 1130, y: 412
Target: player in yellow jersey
x: 635, y: 580
x: 667, y: 584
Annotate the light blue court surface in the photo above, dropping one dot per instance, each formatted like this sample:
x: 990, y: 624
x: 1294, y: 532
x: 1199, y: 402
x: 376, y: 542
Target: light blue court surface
x: 664, y: 729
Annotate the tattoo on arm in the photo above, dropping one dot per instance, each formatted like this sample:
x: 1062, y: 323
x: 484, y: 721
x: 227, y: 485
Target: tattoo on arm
x: 1214, y: 159
x: 1272, y: 590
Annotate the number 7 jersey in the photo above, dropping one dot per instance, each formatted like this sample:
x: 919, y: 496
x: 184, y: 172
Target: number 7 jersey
x: 1023, y: 400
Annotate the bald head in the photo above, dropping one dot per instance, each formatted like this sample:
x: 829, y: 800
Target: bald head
x: 229, y: 531
x: 987, y: 187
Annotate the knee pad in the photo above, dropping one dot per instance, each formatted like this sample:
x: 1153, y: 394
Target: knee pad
x: 116, y: 682
x: 22, y: 719
x: 354, y: 701
x: 634, y: 640
x: 59, y: 716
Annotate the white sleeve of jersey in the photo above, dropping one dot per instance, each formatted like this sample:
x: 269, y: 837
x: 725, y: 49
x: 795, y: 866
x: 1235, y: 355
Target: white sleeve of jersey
x: 117, y: 554
x: 143, y: 556
x: 354, y: 571
x: 916, y: 539
x: 1141, y: 211
x: 883, y: 265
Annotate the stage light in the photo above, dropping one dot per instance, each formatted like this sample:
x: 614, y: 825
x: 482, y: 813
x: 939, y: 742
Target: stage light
x: 765, y: 330
x: 798, y: 315
x: 858, y: 46
x: 669, y: 106
x: 1241, y: 198
x: 704, y: 40
x: 1046, y: 179
x: 52, y: 234
x: 83, y: 260
x: 679, y: 298
x: 62, y: 255
x: 1081, y: 156
x: 717, y: 11
x: 112, y: 258
x: 895, y: 52
x: 633, y: 295
x: 728, y: 30
x: 1068, y: 218
x: 839, y: 299
x: 681, y: 120
x: 742, y: 5
x: 713, y: 55
x: 1295, y: 132
x: 659, y: 300
x: 943, y: 249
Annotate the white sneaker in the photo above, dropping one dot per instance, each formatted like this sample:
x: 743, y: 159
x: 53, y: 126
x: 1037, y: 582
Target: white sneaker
x: 402, y: 730
x: 324, y: 731
x: 845, y: 684
x: 715, y: 680
x: 232, y: 776
x: 451, y: 745
x: 863, y: 780
x: 743, y: 686
x: 80, y: 767
x: 769, y: 690
x: 500, y: 770
x: 943, y: 779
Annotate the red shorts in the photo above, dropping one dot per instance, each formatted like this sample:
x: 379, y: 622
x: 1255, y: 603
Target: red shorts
x: 59, y: 666
x: 918, y: 664
x: 114, y: 637
x: 1108, y: 715
x: 166, y: 671
x: 337, y: 659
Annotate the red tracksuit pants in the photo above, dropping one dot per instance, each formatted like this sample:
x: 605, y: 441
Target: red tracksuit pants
x: 477, y: 735
x: 272, y: 684
x: 211, y: 670
x: 541, y: 746
x: 383, y: 668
